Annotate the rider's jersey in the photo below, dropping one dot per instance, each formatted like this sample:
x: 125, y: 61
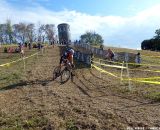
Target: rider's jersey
x: 68, y: 55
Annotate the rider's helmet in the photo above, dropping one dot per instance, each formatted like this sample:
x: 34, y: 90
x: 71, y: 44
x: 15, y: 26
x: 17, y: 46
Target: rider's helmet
x: 71, y: 51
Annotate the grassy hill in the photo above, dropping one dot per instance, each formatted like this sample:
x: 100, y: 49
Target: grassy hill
x: 31, y: 100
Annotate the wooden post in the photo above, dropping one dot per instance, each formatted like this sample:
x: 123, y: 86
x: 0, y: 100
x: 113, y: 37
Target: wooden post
x: 129, y: 81
x: 24, y: 64
x: 42, y: 50
x: 122, y: 72
x: 100, y: 67
x: 37, y: 56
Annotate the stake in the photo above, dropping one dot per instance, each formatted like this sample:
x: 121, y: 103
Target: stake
x: 129, y: 81
x: 100, y: 67
x: 24, y: 64
x: 122, y: 72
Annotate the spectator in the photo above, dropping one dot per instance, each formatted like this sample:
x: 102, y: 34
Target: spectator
x: 110, y: 54
x: 5, y: 50
x: 53, y: 43
x: 10, y: 50
x: 101, y: 47
x: 20, y: 46
x: 25, y: 44
x: 22, y: 52
x: 39, y: 46
x: 29, y: 45
x: 92, y: 56
x: 16, y: 50
x: 138, y: 58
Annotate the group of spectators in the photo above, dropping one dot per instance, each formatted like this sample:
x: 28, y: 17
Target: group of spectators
x: 20, y: 48
x: 110, y: 55
x: 64, y: 42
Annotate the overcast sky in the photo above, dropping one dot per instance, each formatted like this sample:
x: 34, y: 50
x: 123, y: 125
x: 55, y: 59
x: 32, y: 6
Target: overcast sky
x: 122, y: 23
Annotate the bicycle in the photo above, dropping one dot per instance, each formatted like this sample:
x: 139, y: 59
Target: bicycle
x: 63, y: 73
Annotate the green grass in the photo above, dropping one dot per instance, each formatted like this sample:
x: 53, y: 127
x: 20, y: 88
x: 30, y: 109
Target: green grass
x: 15, y: 73
x: 8, y: 57
x: 154, y: 96
x: 70, y: 125
x: 15, y: 123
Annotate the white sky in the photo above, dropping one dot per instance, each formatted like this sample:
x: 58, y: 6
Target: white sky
x: 116, y: 30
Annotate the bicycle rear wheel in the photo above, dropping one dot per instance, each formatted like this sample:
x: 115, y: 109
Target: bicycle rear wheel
x: 65, y: 75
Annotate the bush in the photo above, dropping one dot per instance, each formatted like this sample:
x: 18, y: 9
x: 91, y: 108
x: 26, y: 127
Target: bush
x: 5, y: 50
x: 35, y: 45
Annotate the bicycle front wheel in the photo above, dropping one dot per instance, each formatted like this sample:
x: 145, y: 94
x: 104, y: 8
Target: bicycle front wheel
x: 65, y: 75
x: 56, y: 72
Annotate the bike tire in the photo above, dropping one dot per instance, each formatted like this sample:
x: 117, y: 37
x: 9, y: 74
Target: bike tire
x: 72, y: 77
x: 56, y: 72
x: 67, y: 73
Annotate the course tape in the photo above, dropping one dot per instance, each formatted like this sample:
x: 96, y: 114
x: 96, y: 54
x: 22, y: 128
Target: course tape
x: 142, y: 64
x: 112, y: 66
x: 156, y: 71
x: 149, y: 78
x: 111, y: 61
x: 101, y: 70
x: 129, y: 63
x: 8, y: 64
x: 142, y: 80
x: 151, y: 56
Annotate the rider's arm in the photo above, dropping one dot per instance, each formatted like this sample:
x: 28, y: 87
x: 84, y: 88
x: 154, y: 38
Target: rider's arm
x: 72, y: 60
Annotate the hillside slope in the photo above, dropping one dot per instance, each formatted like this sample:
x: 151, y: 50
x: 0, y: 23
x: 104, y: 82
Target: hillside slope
x: 88, y: 103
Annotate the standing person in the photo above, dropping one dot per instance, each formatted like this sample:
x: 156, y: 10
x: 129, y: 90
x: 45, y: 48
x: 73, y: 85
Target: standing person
x: 22, y: 52
x: 29, y: 45
x: 53, y: 43
x: 39, y: 46
x: 110, y: 54
x: 20, y: 46
x: 25, y: 44
x: 92, y: 56
x: 138, y: 58
x: 101, y: 47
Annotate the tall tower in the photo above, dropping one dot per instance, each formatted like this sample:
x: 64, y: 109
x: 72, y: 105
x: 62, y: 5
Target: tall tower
x: 64, y: 33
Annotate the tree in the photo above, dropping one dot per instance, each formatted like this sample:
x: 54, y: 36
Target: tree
x: 2, y: 33
x: 157, y: 32
x: 41, y: 35
x: 9, y: 31
x: 19, y: 31
x: 50, y: 32
x: 92, y: 38
x: 30, y: 31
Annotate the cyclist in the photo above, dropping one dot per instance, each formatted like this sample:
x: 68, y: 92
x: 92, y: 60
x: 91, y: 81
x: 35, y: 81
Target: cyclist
x: 67, y: 56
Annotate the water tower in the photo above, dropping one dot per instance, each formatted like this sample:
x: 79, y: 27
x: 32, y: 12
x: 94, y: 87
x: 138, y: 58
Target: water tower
x: 64, y: 33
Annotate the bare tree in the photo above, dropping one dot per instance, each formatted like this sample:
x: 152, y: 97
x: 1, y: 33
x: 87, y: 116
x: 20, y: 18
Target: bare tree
x: 2, y: 33
x: 41, y: 35
x: 50, y: 32
x: 30, y: 31
x: 23, y: 32
x: 19, y: 31
x: 5, y: 33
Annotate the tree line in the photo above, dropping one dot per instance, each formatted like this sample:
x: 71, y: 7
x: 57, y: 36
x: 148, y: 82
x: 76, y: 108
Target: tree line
x: 92, y: 38
x: 153, y: 43
x: 26, y: 32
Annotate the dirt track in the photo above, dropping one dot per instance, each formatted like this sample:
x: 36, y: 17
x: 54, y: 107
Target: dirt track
x: 88, y: 103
